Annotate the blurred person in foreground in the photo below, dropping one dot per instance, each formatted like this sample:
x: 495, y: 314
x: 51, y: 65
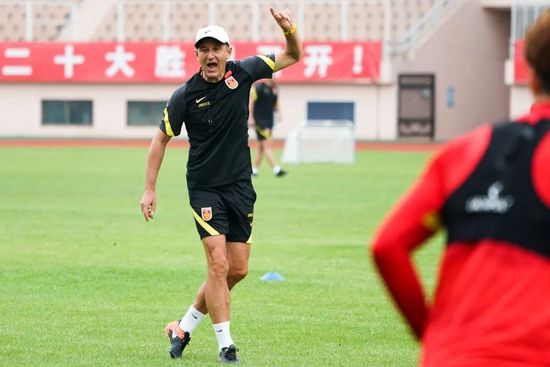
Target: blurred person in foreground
x: 490, y: 190
x: 264, y: 104
x: 213, y: 104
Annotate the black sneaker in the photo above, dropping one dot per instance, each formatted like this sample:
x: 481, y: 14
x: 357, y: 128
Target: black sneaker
x: 177, y: 344
x: 229, y: 354
x: 281, y: 173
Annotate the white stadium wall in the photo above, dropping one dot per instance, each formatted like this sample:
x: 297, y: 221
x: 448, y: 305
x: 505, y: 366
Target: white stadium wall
x: 20, y: 108
x: 375, y: 107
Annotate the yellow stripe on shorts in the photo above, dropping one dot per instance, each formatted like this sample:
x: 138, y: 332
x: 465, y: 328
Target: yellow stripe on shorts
x: 207, y: 227
x: 266, y: 133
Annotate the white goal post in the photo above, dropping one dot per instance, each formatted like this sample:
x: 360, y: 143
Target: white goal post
x: 321, y: 141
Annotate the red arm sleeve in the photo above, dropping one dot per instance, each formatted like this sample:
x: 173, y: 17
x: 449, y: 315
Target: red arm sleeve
x: 416, y: 217
x: 412, y: 221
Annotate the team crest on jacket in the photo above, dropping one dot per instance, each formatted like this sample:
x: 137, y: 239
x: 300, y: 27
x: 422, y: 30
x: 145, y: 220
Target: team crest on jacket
x: 231, y: 82
x: 206, y: 213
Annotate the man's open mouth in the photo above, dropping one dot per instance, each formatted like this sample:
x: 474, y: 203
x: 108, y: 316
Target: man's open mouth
x: 211, y: 66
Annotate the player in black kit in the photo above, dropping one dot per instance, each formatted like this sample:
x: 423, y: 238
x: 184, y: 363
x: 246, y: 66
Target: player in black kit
x: 213, y: 105
x: 263, y: 106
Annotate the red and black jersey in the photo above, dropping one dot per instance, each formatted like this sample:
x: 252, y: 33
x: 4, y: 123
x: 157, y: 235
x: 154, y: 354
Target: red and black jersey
x: 490, y: 190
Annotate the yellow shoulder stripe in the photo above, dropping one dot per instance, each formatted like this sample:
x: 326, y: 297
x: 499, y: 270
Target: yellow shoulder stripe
x: 167, y: 123
x: 207, y: 227
x: 268, y: 61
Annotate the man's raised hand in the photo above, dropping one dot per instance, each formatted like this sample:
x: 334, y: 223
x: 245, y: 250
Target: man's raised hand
x: 283, y: 19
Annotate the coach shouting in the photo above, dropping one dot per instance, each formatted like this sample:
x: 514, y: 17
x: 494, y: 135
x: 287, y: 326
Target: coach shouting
x: 213, y: 105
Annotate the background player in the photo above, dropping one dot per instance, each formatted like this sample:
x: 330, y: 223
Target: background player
x: 264, y: 104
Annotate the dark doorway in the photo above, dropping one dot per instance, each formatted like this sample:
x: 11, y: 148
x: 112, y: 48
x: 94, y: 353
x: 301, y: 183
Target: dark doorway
x: 416, y: 106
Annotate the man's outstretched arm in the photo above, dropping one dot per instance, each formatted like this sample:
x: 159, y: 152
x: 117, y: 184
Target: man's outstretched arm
x: 293, y: 47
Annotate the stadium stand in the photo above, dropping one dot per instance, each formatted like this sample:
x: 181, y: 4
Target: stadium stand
x: 50, y: 18
x: 365, y: 21
x: 39, y: 21
x: 12, y: 21
x: 268, y: 30
x: 139, y: 19
x: 320, y: 20
x: 237, y: 17
x: 186, y: 18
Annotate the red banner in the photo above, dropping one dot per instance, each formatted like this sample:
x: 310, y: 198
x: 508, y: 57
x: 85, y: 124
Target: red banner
x: 520, y: 64
x: 175, y: 62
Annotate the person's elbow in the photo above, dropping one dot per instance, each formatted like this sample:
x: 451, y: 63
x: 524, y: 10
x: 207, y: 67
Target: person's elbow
x: 288, y: 58
x: 160, y: 139
x: 376, y: 252
x: 381, y: 251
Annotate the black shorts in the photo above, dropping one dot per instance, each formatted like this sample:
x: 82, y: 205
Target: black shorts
x: 227, y: 210
x: 263, y: 131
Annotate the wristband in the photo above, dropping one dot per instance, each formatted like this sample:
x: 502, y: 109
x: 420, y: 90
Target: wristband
x: 290, y: 31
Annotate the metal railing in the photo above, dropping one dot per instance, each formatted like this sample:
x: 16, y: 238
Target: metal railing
x: 256, y: 16
x: 426, y: 24
x: 400, y: 43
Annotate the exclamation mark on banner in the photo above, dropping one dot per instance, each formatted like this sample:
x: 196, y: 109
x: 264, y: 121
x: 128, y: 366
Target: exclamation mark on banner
x: 357, y: 60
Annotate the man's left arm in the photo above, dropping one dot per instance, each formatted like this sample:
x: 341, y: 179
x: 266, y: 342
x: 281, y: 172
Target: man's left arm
x: 293, y: 47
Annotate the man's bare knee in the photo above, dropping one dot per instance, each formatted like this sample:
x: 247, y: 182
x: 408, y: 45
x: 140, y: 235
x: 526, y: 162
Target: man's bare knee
x: 236, y: 275
x: 218, y: 268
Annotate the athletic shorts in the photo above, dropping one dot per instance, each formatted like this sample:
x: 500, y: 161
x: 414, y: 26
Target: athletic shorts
x: 263, y: 131
x: 227, y: 210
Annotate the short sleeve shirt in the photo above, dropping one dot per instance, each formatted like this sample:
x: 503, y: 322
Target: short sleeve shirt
x: 216, y: 119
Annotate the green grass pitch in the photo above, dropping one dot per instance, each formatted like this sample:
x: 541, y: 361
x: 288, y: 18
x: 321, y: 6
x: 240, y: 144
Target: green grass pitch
x: 85, y: 281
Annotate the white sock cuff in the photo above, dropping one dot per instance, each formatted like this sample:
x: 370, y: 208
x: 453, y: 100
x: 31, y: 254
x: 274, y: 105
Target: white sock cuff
x: 223, y: 334
x: 191, y: 320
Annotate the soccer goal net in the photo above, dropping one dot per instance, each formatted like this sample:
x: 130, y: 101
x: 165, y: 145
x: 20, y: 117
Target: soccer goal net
x: 321, y: 141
